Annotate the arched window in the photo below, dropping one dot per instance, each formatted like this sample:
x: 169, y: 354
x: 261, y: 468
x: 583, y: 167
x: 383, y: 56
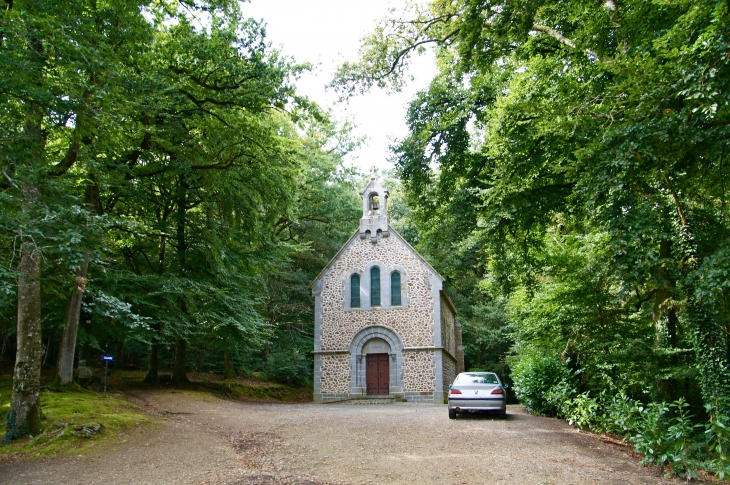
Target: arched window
x: 355, y: 291
x: 395, y: 288
x: 375, y: 286
x: 374, y: 202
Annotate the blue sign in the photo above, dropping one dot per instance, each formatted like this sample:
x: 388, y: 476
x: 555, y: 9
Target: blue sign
x: 107, y: 358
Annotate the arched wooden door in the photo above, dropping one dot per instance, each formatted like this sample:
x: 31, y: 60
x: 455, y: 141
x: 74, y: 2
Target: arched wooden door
x: 377, y: 374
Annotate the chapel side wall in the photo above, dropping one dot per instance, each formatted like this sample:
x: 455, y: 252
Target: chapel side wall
x: 449, y: 343
x: 449, y: 374
x: 448, y: 320
x: 413, y: 322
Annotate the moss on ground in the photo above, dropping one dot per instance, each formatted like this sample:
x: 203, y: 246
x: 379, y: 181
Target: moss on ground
x: 77, y: 420
x: 73, y: 419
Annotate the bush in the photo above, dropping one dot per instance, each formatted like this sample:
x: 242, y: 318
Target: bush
x: 665, y: 433
x: 543, y: 384
x: 717, y: 431
x: 581, y: 411
x: 620, y: 416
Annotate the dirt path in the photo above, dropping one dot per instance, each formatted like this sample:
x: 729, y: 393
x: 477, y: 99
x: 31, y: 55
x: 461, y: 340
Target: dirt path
x: 203, y: 440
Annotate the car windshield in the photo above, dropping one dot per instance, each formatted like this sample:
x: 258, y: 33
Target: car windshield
x: 473, y: 378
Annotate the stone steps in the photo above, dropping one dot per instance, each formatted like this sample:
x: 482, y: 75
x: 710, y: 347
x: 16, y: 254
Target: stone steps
x: 371, y: 400
x: 364, y: 400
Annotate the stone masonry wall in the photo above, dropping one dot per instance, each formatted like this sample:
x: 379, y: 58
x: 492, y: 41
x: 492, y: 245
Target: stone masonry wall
x: 449, y: 372
x: 413, y: 324
x: 336, y: 374
x: 447, y: 328
x: 419, y: 371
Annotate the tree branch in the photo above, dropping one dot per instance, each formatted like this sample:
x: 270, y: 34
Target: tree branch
x: 560, y: 38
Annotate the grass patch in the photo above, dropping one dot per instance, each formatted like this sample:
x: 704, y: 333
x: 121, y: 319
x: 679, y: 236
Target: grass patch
x: 74, y: 420
x: 6, y: 391
x: 267, y: 391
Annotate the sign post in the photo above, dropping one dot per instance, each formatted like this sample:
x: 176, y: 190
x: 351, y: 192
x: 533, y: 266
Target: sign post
x: 106, y: 358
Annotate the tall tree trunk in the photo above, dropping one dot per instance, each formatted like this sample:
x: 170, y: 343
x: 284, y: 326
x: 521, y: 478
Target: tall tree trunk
x: 65, y: 367
x: 664, y: 313
x: 119, y: 357
x: 228, y: 371
x: 152, y: 368
x: 178, y: 371
x: 24, y: 415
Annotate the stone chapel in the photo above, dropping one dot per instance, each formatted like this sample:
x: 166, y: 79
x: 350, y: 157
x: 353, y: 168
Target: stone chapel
x: 383, y: 324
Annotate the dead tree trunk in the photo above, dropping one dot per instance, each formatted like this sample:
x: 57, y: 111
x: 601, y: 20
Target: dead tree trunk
x: 65, y: 367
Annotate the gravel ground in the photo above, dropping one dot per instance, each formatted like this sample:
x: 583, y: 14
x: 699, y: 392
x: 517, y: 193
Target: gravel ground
x: 203, y: 440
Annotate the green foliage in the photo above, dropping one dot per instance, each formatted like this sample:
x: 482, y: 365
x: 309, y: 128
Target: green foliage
x: 717, y: 431
x: 620, y: 415
x: 570, y: 159
x: 666, y: 434
x: 681, y: 430
x: 180, y: 159
x: 542, y: 383
x: 291, y: 367
x: 652, y: 438
x: 581, y: 410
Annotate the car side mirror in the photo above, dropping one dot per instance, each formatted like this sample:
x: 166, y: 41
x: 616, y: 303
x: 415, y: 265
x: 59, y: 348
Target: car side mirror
x: 506, y: 386
x: 450, y: 386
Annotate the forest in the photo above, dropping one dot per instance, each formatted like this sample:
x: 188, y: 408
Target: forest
x: 167, y: 196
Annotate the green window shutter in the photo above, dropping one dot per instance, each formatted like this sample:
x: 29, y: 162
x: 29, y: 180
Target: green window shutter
x: 355, y: 291
x: 375, y: 286
x: 395, y: 288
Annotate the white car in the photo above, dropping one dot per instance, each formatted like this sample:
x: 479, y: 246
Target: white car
x: 477, y: 391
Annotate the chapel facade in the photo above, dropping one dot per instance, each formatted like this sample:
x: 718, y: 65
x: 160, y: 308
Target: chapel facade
x: 383, y: 324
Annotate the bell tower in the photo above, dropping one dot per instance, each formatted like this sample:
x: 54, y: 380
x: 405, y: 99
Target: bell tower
x: 374, y: 221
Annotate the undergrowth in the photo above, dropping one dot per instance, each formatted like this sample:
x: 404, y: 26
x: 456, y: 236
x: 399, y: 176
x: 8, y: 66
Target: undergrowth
x: 667, y: 435
x: 266, y: 391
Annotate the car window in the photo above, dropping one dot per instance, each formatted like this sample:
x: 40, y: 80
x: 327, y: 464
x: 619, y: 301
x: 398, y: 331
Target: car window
x: 476, y: 379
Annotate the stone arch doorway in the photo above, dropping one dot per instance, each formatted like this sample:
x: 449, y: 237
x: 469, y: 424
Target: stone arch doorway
x: 385, y: 343
x: 377, y: 367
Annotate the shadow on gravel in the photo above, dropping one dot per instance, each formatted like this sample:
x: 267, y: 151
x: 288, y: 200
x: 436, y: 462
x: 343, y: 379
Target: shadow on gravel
x: 484, y: 417
x: 273, y: 480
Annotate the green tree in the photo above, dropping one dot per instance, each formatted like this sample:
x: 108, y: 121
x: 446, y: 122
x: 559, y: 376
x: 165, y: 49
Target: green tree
x: 606, y: 121
x: 100, y: 120
x: 64, y: 67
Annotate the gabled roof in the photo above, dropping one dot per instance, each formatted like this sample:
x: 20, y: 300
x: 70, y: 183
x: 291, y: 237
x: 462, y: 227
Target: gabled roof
x: 393, y: 232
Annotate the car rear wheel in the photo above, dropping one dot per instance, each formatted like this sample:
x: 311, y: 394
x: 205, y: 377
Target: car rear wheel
x: 452, y: 413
